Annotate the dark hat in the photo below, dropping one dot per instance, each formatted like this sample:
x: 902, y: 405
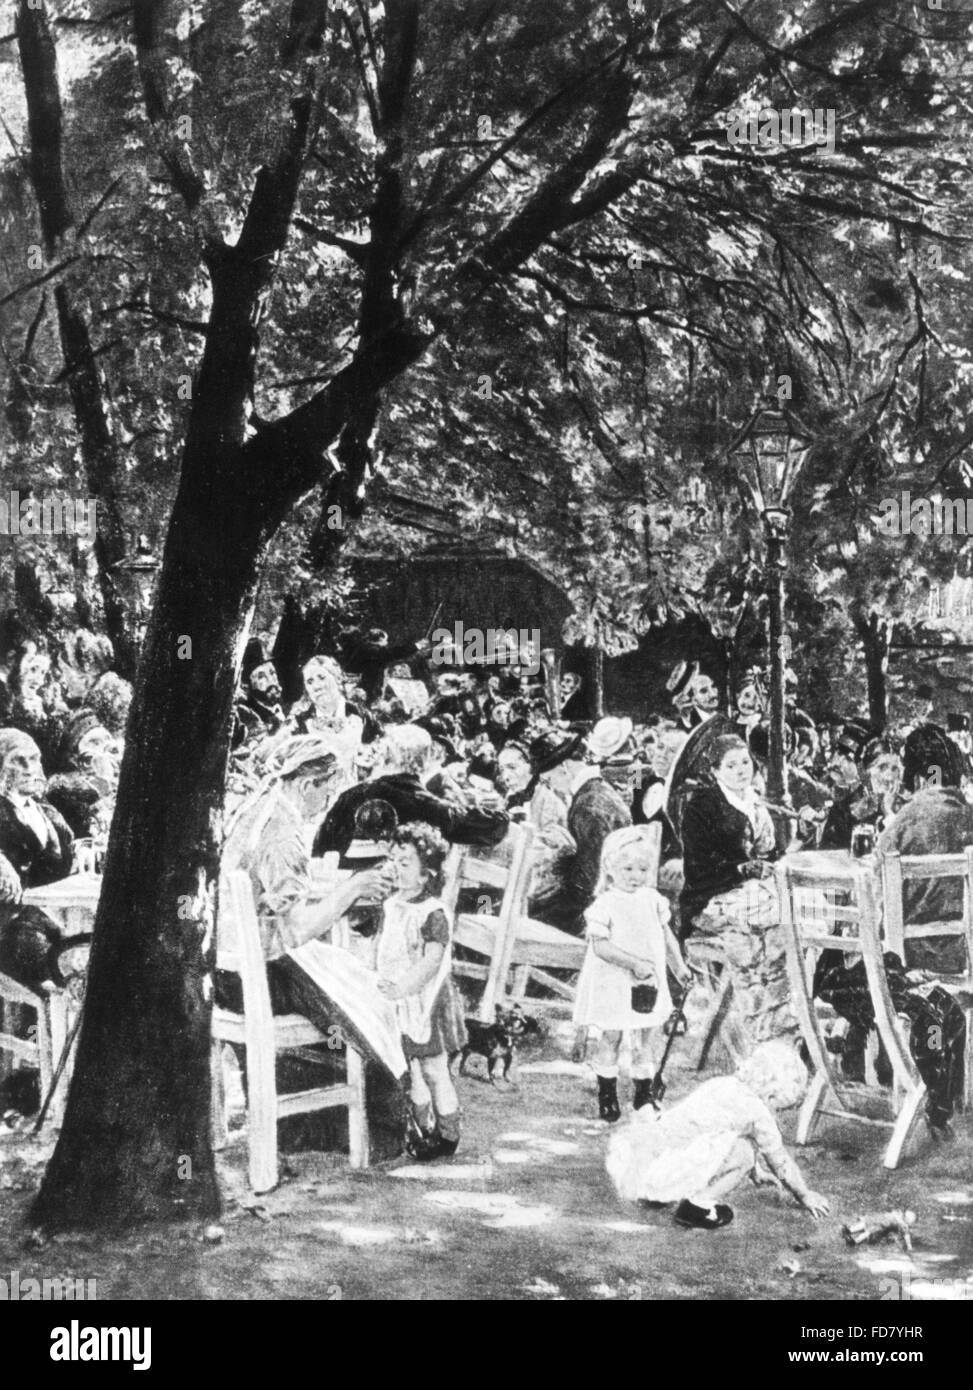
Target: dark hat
x: 924, y: 692
x: 681, y: 677
x: 81, y: 722
x: 852, y: 739
x: 553, y: 747
x: 254, y: 655
x: 929, y: 746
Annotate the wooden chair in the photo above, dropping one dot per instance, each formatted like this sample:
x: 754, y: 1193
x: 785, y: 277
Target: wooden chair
x: 843, y: 917
x: 43, y: 1049
x: 264, y: 1034
x: 516, y: 948
x: 720, y: 1020
x: 897, y: 870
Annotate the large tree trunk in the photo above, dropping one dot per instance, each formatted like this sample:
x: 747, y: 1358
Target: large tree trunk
x: 135, y: 1143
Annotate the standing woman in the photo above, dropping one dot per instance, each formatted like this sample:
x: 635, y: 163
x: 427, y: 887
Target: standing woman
x: 729, y: 892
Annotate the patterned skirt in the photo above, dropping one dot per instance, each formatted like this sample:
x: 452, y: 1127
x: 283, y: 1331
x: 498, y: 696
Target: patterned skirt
x: 746, y: 921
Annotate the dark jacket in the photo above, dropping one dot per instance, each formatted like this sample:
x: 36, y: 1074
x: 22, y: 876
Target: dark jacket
x: 595, y: 812
x: 717, y: 840
x: 36, y: 864
x: 411, y: 801
x: 254, y: 718
x: 29, y: 940
x: 77, y: 799
x: 857, y: 807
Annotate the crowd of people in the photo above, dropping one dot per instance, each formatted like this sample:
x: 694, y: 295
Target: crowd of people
x: 646, y: 839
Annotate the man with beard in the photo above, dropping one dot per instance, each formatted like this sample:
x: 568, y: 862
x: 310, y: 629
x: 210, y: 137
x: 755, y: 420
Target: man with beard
x: 258, y: 712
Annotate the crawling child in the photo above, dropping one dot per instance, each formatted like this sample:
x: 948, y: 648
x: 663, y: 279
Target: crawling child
x: 700, y: 1150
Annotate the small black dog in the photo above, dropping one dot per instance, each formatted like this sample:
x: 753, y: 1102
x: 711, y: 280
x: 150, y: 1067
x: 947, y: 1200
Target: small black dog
x: 496, y: 1041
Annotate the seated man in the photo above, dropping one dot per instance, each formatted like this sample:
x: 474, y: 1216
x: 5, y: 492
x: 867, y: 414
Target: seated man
x: 257, y: 712
x: 84, y: 790
x: 268, y: 842
x: 937, y: 820
x: 35, y: 849
x: 482, y: 821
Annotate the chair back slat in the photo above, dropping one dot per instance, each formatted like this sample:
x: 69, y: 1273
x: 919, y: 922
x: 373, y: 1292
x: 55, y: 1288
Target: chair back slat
x: 898, y: 869
x: 238, y: 948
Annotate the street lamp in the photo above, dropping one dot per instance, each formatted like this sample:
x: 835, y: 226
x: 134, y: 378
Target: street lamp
x: 768, y: 454
x: 135, y: 578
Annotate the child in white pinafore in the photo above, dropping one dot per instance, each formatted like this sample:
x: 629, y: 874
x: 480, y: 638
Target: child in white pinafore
x: 622, y: 987
x: 414, y: 960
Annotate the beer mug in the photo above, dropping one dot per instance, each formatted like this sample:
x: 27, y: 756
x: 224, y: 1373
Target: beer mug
x: 862, y: 841
x: 84, y: 856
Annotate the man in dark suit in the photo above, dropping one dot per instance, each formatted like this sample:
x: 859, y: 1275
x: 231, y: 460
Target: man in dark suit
x: 35, y: 849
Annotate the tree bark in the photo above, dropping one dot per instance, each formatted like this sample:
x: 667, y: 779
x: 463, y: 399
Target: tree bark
x: 875, y: 635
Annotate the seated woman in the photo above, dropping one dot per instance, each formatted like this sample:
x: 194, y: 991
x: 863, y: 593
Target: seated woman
x: 875, y: 803
x: 269, y: 842
x: 728, y: 842
x: 707, y: 1144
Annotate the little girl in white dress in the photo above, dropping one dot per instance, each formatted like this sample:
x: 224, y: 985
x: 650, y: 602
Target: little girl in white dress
x: 622, y: 987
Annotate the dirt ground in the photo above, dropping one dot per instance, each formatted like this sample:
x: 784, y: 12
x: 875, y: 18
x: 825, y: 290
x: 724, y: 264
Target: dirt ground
x: 524, y: 1211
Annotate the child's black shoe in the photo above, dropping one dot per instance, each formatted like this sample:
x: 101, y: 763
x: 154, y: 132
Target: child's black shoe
x: 698, y: 1218
x: 643, y: 1092
x: 608, y: 1107
x: 423, y: 1147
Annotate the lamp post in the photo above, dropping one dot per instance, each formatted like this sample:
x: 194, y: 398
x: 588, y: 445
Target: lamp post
x: 135, y: 578
x: 768, y: 454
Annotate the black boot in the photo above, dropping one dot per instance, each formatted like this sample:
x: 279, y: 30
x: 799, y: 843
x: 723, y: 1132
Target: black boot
x: 423, y: 1146
x: 643, y: 1092
x: 608, y: 1108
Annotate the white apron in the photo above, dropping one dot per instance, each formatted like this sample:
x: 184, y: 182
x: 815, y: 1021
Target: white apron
x: 400, y: 947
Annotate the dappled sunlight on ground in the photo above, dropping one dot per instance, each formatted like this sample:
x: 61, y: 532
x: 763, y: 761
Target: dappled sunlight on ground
x: 524, y: 1212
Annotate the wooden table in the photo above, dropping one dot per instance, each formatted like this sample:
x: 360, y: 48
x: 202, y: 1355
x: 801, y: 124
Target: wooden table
x: 70, y: 902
